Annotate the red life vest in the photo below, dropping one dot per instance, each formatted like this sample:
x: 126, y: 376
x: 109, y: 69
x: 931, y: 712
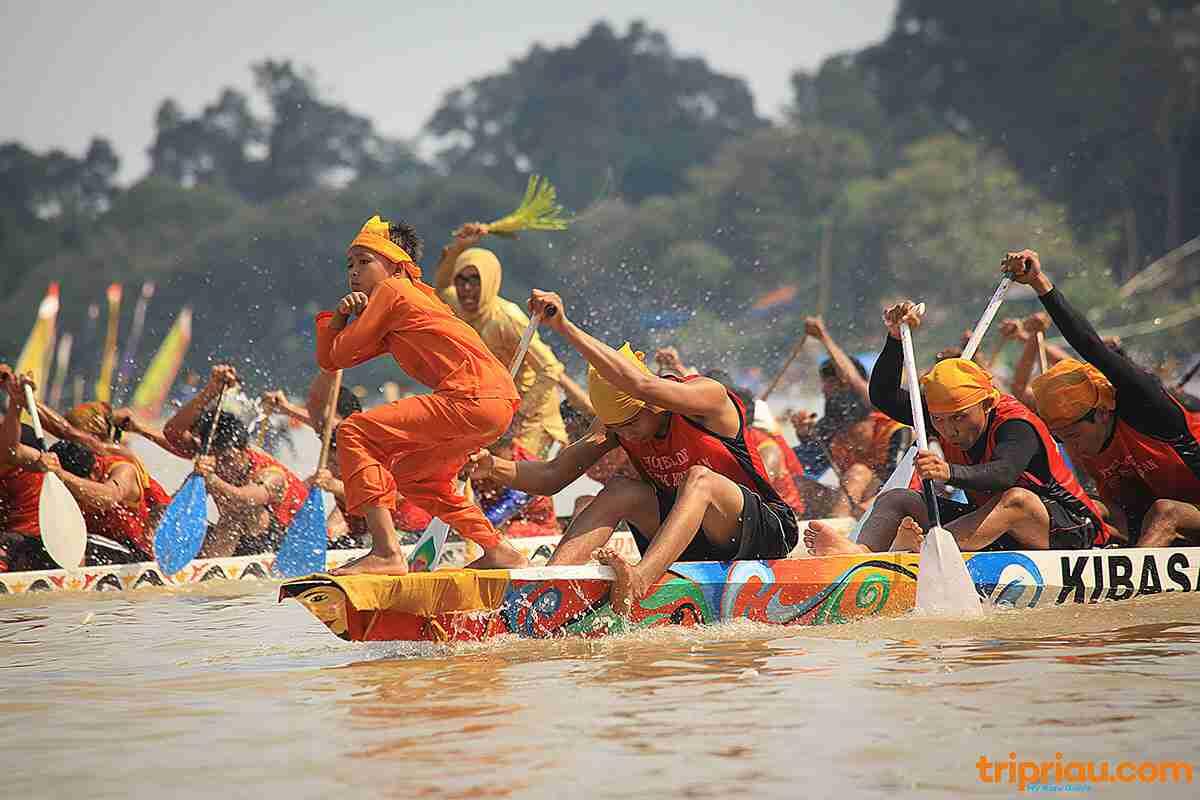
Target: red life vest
x: 845, y: 452
x: 129, y: 524
x: 1134, y: 469
x: 282, y: 510
x: 1063, y: 486
x: 20, y: 491
x: 665, y: 461
x: 785, y: 485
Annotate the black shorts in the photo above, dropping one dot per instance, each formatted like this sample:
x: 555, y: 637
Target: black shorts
x: 1068, y: 530
x: 766, y: 531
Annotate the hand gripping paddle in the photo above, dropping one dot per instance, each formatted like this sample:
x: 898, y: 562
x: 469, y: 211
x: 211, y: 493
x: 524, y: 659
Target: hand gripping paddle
x: 64, y: 533
x: 180, y: 532
x: 307, y: 539
x: 943, y: 585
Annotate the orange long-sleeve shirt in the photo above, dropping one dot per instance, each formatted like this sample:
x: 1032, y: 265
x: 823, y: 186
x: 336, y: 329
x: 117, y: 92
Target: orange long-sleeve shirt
x: 406, y: 319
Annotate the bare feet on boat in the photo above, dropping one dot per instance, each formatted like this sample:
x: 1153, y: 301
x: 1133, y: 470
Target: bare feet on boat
x: 822, y: 540
x: 909, y: 537
x: 628, y: 587
x: 371, y: 564
x: 503, y: 556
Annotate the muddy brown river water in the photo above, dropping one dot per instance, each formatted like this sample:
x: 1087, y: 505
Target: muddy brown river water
x: 213, y: 693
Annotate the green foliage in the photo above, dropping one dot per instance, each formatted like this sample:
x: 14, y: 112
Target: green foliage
x: 623, y: 109
x: 919, y: 162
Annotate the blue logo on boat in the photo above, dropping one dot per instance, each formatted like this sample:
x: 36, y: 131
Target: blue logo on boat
x: 1005, y: 577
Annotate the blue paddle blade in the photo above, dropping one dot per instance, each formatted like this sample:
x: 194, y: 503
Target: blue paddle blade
x: 306, y: 540
x: 181, y: 531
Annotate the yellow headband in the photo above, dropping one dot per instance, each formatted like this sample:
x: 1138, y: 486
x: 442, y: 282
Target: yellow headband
x: 955, y: 384
x: 1069, y: 390
x: 374, y: 237
x: 615, y: 406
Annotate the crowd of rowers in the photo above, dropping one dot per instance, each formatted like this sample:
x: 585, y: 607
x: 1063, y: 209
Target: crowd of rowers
x: 695, y: 466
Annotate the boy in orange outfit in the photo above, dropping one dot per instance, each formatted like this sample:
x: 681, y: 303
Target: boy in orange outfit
x: 416, y: 445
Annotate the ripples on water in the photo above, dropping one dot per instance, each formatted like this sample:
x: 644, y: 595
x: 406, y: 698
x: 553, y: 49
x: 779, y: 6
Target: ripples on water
x: 205, y: 693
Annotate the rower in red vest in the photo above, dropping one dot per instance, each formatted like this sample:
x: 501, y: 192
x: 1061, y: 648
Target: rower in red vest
x: 1021, y: 493
x: 704, y: 494
x: 1118, y: 422
x: 22, y: 468
x: 112, y: 492
x: 779, y: 462
x: 129, y: 508
x: 255, y: 495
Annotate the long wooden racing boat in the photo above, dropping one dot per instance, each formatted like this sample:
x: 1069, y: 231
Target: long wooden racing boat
x: 539, y: 602
x: 125, y: 577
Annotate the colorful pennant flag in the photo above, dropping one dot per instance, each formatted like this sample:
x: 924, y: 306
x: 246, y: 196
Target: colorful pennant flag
x: 156, y: 384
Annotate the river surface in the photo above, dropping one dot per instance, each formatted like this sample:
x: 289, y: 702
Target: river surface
x: 221, y: 692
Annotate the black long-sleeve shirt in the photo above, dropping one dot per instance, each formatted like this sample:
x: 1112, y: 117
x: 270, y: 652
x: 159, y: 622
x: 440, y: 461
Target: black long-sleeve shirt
x: 1142, y: 401
x: 1018, y: 448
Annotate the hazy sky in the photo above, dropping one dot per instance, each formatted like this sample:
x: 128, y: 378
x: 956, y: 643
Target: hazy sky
x: 74, y: 70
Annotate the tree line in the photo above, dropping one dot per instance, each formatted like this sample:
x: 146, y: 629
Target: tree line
x: 907, y: 168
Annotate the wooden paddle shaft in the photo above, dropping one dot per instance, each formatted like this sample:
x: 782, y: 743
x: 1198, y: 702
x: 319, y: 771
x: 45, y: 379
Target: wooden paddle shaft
x: 212, y: 429
x: 330, y: 410
x: 782, y: 370
x: 526, y: 340
x: 1041, y: 345
x: 1187, y: 376
x: 31, y: 407
x: 918, y: 414
x: 985, y: 320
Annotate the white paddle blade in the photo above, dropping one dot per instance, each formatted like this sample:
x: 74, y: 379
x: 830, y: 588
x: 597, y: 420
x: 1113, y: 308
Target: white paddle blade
x: 943, y: 586
x: 64, y: 533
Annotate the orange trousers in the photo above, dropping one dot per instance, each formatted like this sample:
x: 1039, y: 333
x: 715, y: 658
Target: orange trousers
x: 417, y: 446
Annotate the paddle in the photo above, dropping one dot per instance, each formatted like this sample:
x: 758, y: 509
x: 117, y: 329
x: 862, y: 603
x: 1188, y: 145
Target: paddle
x: 526, y: 338
x: 985, y: 320
x: 1041, y: 346
x: 792, y: 357
x: 180, y: 532
x: 64, y: 533
x: 902, y: 475
x: 1187, y: 376
x: 307, y: 539
x: 943, y: 585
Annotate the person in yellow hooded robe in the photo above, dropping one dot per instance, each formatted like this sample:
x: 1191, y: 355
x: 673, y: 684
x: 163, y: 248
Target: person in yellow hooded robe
x: 468, y: 279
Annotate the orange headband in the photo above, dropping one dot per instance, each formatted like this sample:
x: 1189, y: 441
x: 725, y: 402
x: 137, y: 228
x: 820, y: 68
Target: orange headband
x: 1069, y: 390
x: 955, y: 384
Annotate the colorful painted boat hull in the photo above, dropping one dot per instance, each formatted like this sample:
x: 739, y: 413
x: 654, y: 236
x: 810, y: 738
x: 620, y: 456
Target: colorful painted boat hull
x: 126, y: 577
x: 574, y: 601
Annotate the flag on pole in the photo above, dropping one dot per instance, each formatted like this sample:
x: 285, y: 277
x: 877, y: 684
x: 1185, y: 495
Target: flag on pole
x: 125, y: 370
x: 62, y: 361
x: 109, y: 358
x: 160, y: 375
x: 39, y: 347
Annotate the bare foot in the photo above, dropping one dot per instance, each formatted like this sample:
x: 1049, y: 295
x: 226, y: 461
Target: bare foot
x: 502, y: 556
x: 909, y: 537
x: 822, y: 540
x: 371, y: 564
x: 629, y: 586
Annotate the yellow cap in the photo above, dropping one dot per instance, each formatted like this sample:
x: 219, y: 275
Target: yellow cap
x: 615, y: 406
x: 374, y: 237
